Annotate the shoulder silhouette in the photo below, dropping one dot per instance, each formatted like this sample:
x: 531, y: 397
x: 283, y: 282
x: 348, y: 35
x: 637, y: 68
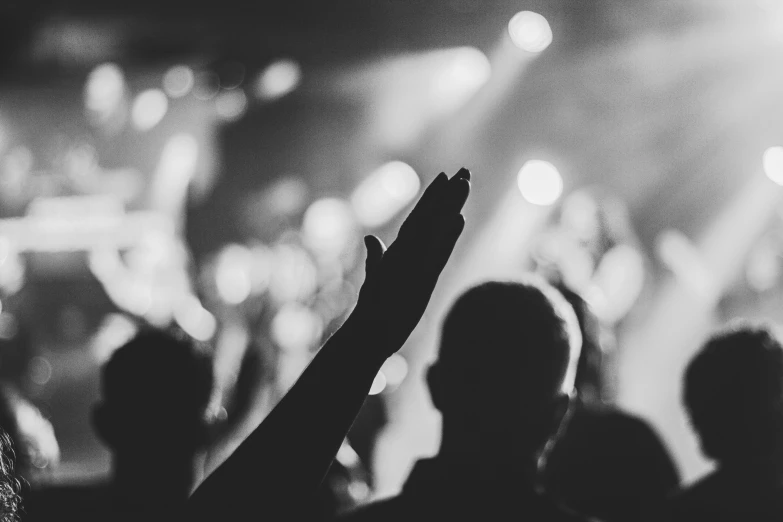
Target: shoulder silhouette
x: 608, y: 464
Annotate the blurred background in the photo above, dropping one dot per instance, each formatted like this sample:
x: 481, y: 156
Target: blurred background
x: 213, y: 168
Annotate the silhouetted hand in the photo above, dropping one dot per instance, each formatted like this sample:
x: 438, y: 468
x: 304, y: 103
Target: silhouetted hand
x: 399, y: 281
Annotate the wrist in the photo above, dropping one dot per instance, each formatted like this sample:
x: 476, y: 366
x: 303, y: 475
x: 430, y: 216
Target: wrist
x: 365, y: 334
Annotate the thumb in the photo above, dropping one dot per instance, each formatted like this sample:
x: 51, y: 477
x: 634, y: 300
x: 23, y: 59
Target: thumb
x: 375, y: 251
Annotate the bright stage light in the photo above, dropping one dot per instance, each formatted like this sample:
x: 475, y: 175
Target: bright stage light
x: 773, y: 164
x: 278, y: 79
x: 530, y: 31
x: 461, y: 73
x: 178, y: 81
x: 149, y: 108
x: 540, y: 182
x: 384, y: 193
x: 104, y: 91
x: 328, y: 226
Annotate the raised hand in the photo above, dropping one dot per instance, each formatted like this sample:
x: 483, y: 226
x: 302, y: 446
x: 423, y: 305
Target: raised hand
x: 399, y: 281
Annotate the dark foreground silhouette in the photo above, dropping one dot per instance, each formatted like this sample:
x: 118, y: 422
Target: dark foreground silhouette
x: 734, y: 395
x: 503, y: 383
x: 275, y: 472
x: 608, y: 464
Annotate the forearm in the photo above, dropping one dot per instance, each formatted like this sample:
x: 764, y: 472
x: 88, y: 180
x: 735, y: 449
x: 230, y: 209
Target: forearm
x: 283, y: 461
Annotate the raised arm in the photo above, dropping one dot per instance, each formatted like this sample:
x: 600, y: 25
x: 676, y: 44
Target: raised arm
x: 278, y: 467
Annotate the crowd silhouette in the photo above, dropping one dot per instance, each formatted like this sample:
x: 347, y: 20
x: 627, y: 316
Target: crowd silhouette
x: 525, y: 434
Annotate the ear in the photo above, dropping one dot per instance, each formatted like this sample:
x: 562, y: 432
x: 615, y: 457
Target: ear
x: 434, y: 383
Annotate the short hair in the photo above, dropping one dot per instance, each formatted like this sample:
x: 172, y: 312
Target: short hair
x: 514, y: 326
x: 10, y: 486
x: 734, y: 391
x: 158, y: 371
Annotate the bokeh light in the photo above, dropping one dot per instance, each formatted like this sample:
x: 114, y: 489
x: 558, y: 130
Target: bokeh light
x: 328, y: 226
x: 460, y: 75
x: 231, y: 105
x: 384, y: 193
x: 294, y: 277
x: 178, y: 81
x: 115, y: 330
x: 40, y: 370
x: 278, y: 79
x: 773, y: 164
x: 530, y: 31
x: 194, y: 319
x: 233, y: 273
x: 206, y: 85
x: 104, y: 91
x: 287, y: 196
x: 540, y: 182
x: 296, y: 328
x: 149, y: 108
x: 378, y: 384
x: 395, y: 368
x: 177, y: 164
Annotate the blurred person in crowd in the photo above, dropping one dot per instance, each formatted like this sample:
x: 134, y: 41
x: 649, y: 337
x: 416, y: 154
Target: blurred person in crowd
x: 10, y: 499
x: 275, y: 473
x: 155, y: 391
x: 608, y: 464
x: 153, y: 417
x: 591, y: 248
x: 733, y: 392
x: 504, y: 383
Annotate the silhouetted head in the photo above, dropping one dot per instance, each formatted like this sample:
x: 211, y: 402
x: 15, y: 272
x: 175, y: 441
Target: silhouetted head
x: 10, y: 499
x: 506, y: 368
x: 589, y: 381
x: 734, y: 394
x: 155, y: 392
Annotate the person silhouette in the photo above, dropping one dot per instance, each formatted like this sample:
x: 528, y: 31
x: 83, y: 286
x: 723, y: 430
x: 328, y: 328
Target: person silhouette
x: 153, y: 417
x: 608, y: 464
x: 155, y: 392
x: 277, y: 469
x: 733, y: 393
x: 503, y: 382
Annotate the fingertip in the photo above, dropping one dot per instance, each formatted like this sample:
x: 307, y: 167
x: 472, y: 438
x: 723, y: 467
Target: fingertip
x: 463, y: 173
x: 460, y: 193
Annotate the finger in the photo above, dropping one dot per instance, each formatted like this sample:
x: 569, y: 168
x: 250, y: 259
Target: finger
x: 446, y: 241
x: 375, y: 251
x: 459, y: 190
x: 462, y: 173
x: 427, y: 206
